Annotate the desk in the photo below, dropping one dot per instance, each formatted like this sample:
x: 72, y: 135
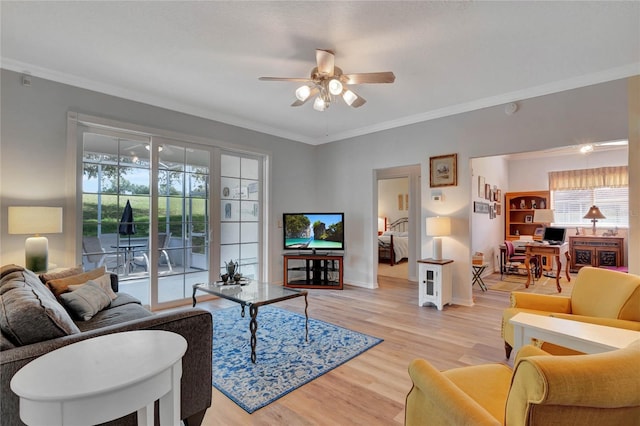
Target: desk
x: 581, y: 336
x: 104, y: 378
x: 477, y: 275
x: 539, y: 249
x: 129, y: 251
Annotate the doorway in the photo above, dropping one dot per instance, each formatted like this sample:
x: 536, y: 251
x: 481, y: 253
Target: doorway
x: 397, y: 207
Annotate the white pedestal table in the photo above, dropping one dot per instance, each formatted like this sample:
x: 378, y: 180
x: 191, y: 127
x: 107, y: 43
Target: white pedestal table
x: 104, y: 378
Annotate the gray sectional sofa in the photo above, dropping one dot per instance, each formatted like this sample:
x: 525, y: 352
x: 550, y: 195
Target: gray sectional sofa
x: 34, y: 322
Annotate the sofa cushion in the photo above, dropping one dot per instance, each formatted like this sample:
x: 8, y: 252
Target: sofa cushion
x: 104, y: 281
x: 49, y: 276
x: 116, y: 314
x: 61, y: 285
x: 87, y: 300
x: 29, y: 312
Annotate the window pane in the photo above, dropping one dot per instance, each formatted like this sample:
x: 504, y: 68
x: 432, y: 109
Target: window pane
x: 230, y: 165
x: 571, y: 205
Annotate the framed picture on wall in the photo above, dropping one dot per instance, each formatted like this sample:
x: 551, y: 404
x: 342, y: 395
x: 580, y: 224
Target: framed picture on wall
x: 487, y: 191
x: 480, y: 187
x: 479, y: 207
x: 443, y: 170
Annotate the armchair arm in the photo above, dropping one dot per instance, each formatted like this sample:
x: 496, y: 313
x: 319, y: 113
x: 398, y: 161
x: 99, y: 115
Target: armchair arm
x: 541, y: 302
x: 609, y: 322
x: 434, y: 399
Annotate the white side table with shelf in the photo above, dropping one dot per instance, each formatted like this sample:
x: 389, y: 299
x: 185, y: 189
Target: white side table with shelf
x: 435, y: 282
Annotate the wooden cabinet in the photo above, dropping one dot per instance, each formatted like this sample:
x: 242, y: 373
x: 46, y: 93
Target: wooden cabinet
x: 519, y: 208
x: 313, y: 271
x: 435, y: 278
x: 596, y: 251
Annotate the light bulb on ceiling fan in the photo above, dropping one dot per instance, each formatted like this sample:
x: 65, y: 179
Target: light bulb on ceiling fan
x: 335, y: 87
x: 303, y: 92
x: 349, y: 97
x: 319, y: 104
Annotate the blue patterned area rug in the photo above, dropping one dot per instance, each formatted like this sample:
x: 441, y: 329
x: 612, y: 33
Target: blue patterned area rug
x: 284, y: 361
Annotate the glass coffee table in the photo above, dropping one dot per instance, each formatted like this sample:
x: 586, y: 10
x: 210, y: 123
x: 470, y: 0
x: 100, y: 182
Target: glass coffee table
x: 254, y: 295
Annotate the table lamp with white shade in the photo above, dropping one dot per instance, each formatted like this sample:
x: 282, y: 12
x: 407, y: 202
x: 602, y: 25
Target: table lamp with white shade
x: 35, y: 220
x: 438, y: 227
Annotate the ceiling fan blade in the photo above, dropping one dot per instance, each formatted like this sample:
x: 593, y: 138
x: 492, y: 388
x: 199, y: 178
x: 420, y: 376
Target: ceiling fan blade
x: 358, y: 102
x: 326, y: 61
x: 299, y: 79
x: 370, y: 77
x: 298, y: 102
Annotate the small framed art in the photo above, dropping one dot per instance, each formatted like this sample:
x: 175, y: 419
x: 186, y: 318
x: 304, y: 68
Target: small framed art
x: 443, y: 170
x: 528, y: 218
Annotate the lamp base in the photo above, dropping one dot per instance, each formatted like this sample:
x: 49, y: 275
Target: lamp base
x: 437, y: 248
x: 36, y: 251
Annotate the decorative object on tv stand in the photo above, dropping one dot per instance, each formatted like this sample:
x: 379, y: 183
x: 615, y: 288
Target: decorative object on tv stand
x: 438, y: 227
x: 35, y: 220
x: 594, y: 214
x: 544, y: 216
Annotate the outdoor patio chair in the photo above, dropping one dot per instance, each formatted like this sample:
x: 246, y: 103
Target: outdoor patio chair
x: 163, y: 245
x: 96, y: 256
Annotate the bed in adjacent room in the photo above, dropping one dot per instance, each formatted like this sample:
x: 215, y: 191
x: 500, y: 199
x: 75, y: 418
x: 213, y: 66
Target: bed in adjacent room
x: 393, y: 244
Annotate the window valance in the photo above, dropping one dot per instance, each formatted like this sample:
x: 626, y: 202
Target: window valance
x: 601, y: 177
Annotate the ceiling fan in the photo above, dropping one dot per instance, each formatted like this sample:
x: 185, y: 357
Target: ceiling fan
x: 327, y: 82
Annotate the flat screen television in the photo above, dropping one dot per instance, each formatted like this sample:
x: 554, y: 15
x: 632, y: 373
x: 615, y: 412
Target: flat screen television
x: 554, y: 235
x: 313, y: 231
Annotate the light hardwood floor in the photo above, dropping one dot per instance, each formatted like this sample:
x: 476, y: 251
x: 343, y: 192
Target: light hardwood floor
x: 371, y: 388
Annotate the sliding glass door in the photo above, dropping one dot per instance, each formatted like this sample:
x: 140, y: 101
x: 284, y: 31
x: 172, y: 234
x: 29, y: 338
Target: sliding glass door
x: 147, y: 212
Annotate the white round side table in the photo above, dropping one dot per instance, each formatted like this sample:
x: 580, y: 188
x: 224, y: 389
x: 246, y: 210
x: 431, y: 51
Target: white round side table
x: 104, y: 378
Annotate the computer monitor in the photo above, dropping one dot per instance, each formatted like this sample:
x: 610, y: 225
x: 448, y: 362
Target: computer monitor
x: 554, y: 235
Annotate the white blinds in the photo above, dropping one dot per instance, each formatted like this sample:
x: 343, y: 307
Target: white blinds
x: 574, y: 191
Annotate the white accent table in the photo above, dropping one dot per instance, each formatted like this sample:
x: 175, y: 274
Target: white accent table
x: 580, y: 336
x: 104, y: 378
x: 435, y: 278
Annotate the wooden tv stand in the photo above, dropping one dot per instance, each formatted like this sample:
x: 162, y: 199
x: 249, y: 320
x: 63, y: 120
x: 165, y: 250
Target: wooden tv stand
x: 313, y: 271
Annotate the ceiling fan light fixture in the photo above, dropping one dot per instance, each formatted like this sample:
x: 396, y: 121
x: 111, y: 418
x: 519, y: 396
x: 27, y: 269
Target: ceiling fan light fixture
x: 335, y: 86
x: 319, y: 104
x: 349, y: 97
x: 303, y: 92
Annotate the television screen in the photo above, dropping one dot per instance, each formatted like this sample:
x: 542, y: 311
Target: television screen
x: 554, y: 235
x: 310, y: 231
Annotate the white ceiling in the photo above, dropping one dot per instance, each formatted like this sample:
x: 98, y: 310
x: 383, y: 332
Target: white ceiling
x: 204, y: 58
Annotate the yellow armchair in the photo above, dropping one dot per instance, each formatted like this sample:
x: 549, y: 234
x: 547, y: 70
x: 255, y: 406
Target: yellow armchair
x: 599, y: 296
x: 543, y: 390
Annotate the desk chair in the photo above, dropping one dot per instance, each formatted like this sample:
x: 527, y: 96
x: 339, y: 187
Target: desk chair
x: 514, y: 261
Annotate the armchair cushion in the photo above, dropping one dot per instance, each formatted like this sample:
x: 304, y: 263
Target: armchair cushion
x: 622, y: 299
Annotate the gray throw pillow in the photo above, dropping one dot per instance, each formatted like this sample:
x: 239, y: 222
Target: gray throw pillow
x: 86, y: 301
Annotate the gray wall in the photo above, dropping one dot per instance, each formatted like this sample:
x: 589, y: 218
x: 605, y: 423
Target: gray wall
x: 596, y: 113
x: 33, y: 155
x: 34, y: 142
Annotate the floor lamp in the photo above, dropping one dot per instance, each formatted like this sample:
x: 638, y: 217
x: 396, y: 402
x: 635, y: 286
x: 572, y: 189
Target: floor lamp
x: 35, y: 220
x: 438, y: 227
